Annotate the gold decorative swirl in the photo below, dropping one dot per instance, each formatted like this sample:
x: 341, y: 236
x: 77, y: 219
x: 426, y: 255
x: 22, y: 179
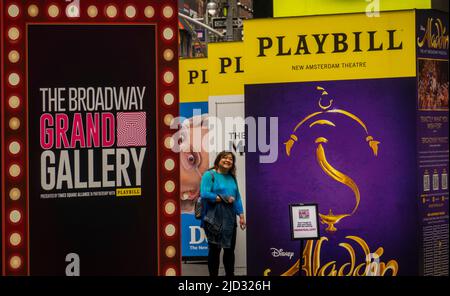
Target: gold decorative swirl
x: 351, y: 115
x: 293, y: 270
x: 323, y: 122
x: 361, y: 242
x: 373, y: 144
x: 321, y: 140
x: 289, y: 143
x: 325, y: 107
x: 317, y: 253
x: 337, y: 175
x: 351, y: 251
x: 331, y: 219
x: 305, y: 119
x: 392, y: 265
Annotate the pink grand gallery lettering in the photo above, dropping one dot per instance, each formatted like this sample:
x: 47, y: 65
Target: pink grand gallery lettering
x: 97, y: 131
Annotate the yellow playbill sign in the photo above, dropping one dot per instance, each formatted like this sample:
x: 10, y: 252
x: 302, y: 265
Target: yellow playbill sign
x: 226, y: 66
x: 333, y: 47
x: 193, y: 80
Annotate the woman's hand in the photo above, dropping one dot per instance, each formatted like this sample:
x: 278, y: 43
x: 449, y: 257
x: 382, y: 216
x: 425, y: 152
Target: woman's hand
x: 242, y: 222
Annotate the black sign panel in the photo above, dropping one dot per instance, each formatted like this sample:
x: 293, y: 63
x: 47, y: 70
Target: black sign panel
x: 92, y: 149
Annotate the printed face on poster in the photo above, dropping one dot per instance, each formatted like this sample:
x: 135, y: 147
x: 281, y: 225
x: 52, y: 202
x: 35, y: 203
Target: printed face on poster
x: 304, y: 221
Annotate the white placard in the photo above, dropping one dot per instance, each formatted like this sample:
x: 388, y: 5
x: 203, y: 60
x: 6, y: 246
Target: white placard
x: 304, y: 221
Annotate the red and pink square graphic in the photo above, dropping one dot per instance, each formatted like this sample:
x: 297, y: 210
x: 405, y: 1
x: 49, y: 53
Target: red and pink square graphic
x: 131, y: 129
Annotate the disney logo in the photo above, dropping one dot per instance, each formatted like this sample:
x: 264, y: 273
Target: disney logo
x: 281, y: 253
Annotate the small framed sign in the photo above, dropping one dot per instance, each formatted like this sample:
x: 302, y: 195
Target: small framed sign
x: 304, y: 221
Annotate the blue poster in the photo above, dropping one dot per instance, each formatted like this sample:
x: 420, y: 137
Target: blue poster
x: 194, y: 161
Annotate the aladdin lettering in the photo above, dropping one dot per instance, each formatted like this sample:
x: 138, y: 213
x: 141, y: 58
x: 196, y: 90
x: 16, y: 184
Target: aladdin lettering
x: 371, y: 266
x: 437, y: 39
x: 336, y: 42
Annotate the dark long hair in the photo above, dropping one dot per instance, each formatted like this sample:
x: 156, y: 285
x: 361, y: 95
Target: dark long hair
x: 232, y: 170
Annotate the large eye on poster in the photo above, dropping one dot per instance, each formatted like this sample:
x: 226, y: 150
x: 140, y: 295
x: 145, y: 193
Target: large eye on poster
x: 88, y: 176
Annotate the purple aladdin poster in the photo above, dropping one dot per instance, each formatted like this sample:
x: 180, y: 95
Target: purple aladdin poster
x: 350, y: 147
x: 432, y: 142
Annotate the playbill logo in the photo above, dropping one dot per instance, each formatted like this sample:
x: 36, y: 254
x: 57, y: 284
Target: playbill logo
x: 333, y: 43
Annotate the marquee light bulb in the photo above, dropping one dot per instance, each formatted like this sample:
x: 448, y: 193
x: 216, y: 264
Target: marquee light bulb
x: 53, y: 11
x: 170, y: 208
x: 13, y: 10
x: 15, y: 262
x: 14, y: 194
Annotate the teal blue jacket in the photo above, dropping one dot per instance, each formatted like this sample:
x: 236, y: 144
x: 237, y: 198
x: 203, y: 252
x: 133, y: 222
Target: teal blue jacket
x: 219, y: 219
x: 224, y: 185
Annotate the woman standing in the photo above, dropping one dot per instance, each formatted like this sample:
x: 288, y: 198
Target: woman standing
x: 222, y: 202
